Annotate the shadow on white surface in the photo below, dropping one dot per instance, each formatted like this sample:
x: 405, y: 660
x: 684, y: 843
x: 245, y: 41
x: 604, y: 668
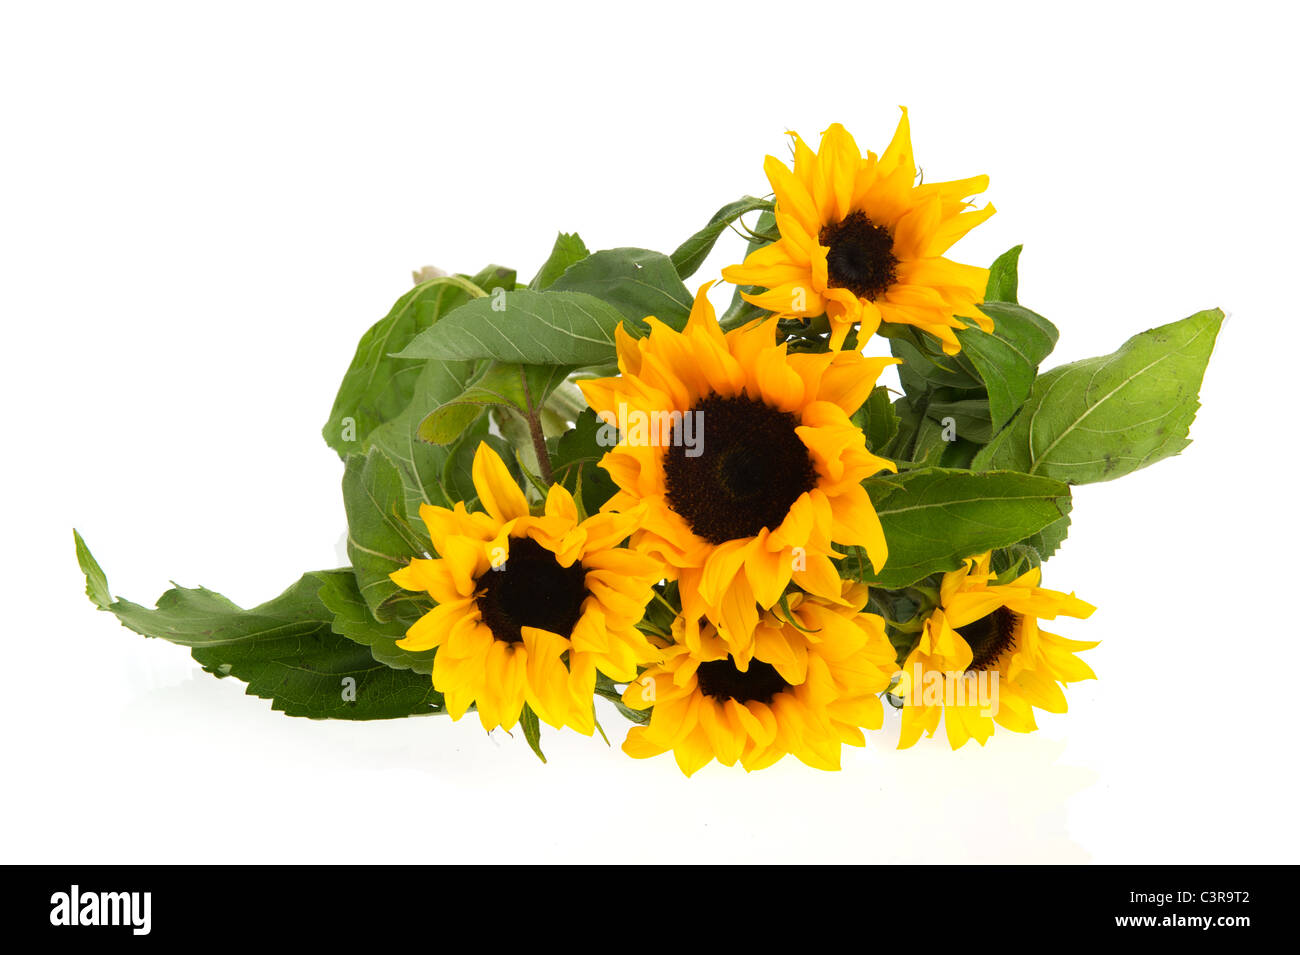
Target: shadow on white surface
x: 402, y: 790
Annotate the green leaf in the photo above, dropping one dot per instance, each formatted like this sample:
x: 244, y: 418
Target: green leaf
x: 569, y: 248
x: 353, y: 619
x: 605, y: 687
x: 966, y: 418
x: 449, y: 422
x: 527, y: 327
x: 285, y: 650
x: 877, y: 419
x: 1007, y: 358
x: 532, y: 728
x: 959, y: 454
x: 934, y: 518
x: 983, y: 385
x: 566, y: 401
x: 637, y: 282
x: 378, y: 386
x: 739, y: 311
x: 458, y: 473
x: 382, y: 537
x: 1004, y: 277
x: 1102, y: 418
x: 576, y: 460
x: 521, y: 387
x: 518, y: 451
x: 1008, y: 563
x: 921, y: 440
x: 924, y: 369
x: 690, y: 255
x: 96, y: 583
x: 424, y: 468
x: 1047, y: 541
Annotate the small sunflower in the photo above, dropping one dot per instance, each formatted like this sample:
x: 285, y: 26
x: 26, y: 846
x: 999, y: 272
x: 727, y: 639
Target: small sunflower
x: 519, y: 595
x: 810, y: 685
x: 862, y: 242
x: 774, y: 475
x: 984, y: 633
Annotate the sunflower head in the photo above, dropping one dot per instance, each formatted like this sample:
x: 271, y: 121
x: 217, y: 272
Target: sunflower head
x: 983, y: 659
x: 529, y: 607
x: 810, y: 684
x: 863, y: 243
x: 770, y: 480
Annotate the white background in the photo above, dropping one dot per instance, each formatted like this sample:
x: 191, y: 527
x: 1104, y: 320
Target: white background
x: 204, y: 206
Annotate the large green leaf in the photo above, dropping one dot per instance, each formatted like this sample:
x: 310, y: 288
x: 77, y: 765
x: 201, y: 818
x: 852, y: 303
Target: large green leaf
x: 1007, y: 358
x: 285, y: 649
x: 377, y: 386
x: 424, y: 468
x: 527, y: 327
x: 521, y: 387
x: 933, y: 518
x: 382, y: 536
x: 1102, y: 418
x: 431, y: 475
x: 637, y: 282
x: 353, y: 619
x: 569, y: 248
x: 690, y: 255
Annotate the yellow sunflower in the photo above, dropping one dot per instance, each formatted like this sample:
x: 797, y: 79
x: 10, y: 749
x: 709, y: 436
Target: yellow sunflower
x: 982, y: 658
x: 862, y: 242
x: 809, y: 686
x: 517, y: 595
x: 760, y: 471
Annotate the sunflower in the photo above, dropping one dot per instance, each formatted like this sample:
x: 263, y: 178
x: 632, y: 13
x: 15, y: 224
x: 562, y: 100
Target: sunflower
x: 862, y: 242
x: 773, y: 477
x: 982, y: 658
x: 517, y: 595
x: 810, y: 685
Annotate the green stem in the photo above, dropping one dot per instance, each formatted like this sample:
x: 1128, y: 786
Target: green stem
x: 535, y: 429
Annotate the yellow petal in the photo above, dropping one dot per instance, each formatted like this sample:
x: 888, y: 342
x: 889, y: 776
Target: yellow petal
x: 497, y: 490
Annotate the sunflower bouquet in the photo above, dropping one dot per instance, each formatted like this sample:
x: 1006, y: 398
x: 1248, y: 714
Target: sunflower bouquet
x: 591, y: 484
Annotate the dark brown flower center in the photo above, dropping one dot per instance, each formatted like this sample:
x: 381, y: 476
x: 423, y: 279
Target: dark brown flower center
x: 860, y: 257
x: 531, y: 590
x: 989, y: 637
x: 750, y: 468
x: 721, y: 680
